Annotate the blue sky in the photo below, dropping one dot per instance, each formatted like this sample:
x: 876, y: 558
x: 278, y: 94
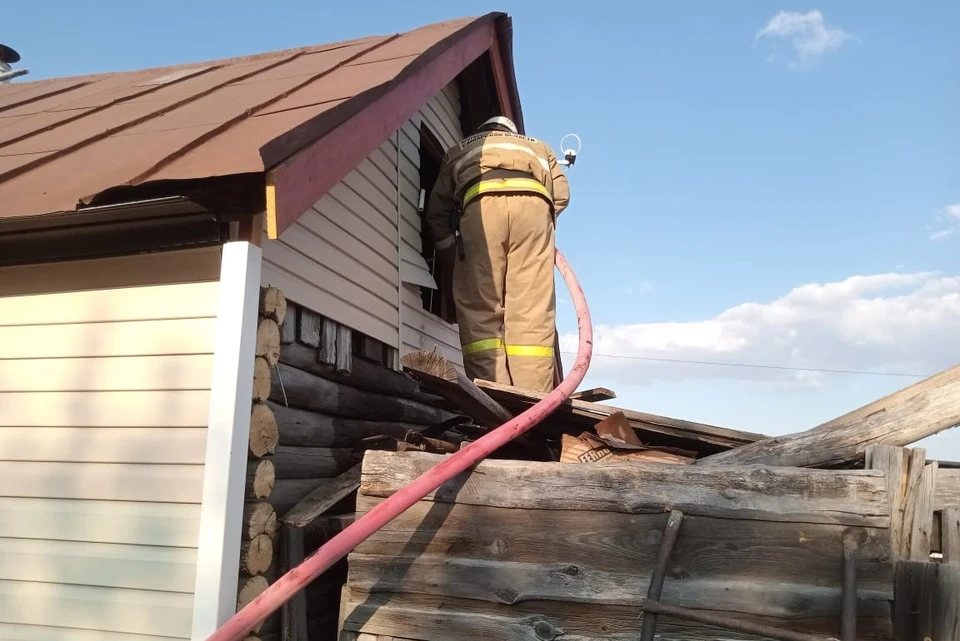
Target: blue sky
x: 720, y: 171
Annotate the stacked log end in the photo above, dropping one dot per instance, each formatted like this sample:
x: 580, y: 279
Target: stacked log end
x: 258, y: 562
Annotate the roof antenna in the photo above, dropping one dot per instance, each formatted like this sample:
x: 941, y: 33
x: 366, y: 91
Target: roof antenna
x: 570, y: 155
x: 8, y: 56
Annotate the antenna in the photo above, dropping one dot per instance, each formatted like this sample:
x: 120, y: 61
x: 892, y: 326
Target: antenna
x: 9, y: 56
x: 570, y: 155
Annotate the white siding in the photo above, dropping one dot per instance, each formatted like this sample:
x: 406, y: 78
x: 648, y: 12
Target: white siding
x: 104, y: 384
x: 340, y: 258
x: 421, y: 329
x: 343, y: 257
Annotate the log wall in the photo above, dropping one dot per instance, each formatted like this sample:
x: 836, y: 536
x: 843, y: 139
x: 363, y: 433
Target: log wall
x: 521, y: 550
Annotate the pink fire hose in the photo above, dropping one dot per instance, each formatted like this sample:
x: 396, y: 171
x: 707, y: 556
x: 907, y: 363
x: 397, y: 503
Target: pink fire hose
x: 241, y: 623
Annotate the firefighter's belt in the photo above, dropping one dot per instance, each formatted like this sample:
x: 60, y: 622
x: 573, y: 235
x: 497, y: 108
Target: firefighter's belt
x: 500, y: 180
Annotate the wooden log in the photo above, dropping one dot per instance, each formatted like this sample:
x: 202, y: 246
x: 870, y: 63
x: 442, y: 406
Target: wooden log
x: 437, y: 618
x: 363, y: 375
x: 294, y: 462
x: 594, y: 395
x: 273, y: 304
x: 323, y: 498
x: 950, y: 534
x: 268, y: 341
x: 305, y: 428
x: 261, y: 475
x: 849, y: 497
x: 259, y: 518
x: 261, y: 380
x: 439, y: 376
x: 256, y: 555
x: 310, y: 392
x: 708, y: 552
x: 264, y: 432
x: 907, y: 416
x: 249, y: 589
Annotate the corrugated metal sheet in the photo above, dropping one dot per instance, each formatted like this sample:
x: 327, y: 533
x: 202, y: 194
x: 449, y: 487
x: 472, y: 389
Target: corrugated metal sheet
x: 65, y: 140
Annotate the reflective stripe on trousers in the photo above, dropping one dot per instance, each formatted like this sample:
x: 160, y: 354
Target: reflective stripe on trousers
x: 511, y: 350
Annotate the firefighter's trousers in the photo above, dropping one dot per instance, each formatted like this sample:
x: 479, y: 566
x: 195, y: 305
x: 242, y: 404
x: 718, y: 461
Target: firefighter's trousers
x: 504, y: 290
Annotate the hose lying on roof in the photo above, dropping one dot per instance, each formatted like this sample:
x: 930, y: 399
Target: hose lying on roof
x: 241, y: 623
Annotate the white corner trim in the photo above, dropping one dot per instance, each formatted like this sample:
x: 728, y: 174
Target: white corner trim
x: 228, y: 429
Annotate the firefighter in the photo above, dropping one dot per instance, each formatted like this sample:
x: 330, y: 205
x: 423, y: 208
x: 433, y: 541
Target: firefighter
x: 492, y: 214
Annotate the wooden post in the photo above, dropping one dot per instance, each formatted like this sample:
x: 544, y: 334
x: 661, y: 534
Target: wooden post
x: 950, y: 534
x: 294, y: 611
x: 911, y: 484
x: 947, y: 610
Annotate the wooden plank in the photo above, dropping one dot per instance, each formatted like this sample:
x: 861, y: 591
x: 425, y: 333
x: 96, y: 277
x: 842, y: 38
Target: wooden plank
x: 432, y: 618
x: 102, y: 481
x: 141, y: 567
x: 309, y: 327
x: 947, y: 606
x: 915, y: 601
x: 708, y: 549
x: 184, y: 445
x: 111, y: 374
x: 892, y: 462
x: 852, y: 497
x: 344, y: 350
x: 135, y: 522
x: 440, y: 377
x: 594, y: 395
x: 323, y: 498
x: 911, y: 491
x: 901, y: 418
x: 947, y: 491
x: 649, y: 422
x: 143, y: 303
x: 294, y: 611
x: 560, y: 581
x: 84, y: 340
x: 188, y: 408
x: 950, y: 534
x: 95, y: 608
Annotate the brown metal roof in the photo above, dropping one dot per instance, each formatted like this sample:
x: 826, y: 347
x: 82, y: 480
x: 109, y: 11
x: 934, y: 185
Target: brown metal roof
x: 64, y: 140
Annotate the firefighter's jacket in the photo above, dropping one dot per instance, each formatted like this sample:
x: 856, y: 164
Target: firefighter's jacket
x: 493, y: 161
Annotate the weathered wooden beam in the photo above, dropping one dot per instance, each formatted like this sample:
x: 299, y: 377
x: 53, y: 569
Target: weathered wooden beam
x: 947, y: 610
x: 950, y: 535
x: 305, y: 428
x: 438, y: 375
x: 911, y: 484
x: 294, y: 462
x: 947, y: 492
x: 901, y: 418
x: 915, y: 599
x: 323, y: 498
x: 850, y: 497
x: 594, y: 395
x: 293, y: 611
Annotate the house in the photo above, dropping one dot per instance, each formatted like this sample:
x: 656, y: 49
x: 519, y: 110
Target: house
x: 141, y: 214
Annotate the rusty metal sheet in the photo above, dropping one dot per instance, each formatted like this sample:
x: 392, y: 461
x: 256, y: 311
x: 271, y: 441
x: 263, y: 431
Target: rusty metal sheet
x: 65, y: 139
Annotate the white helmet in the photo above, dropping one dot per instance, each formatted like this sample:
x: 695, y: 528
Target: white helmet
x: 502, y: 121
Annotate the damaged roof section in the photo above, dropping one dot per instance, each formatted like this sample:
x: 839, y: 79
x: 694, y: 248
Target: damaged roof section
x: 65, y: 140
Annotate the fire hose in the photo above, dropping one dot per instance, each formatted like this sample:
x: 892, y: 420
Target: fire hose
x: 297, y: 578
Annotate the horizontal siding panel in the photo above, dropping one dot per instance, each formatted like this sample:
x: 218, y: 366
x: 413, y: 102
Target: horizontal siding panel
x: 345, y: 311
x: 104, y: 409
x: 126, y: 304
x: 102, y: 481
x: 98, y: 564
x: 157, y: 445
x: 15, y: 632
x: 118, y: 373
x: 423, y: 330
x: 341, y: 261
x: 383, y: 180
x: 442, y: 128
x: 361, y: 184
x: 182, y: 266
x: 129, y: 522
x: 335, y: 214
x: 357, y: 206
x: 96, y: 608
x: 138, y: 338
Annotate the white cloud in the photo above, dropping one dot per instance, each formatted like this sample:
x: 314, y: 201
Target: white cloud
x: 807, y: 32
x: 904, y: 322
x: 950, y: 215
